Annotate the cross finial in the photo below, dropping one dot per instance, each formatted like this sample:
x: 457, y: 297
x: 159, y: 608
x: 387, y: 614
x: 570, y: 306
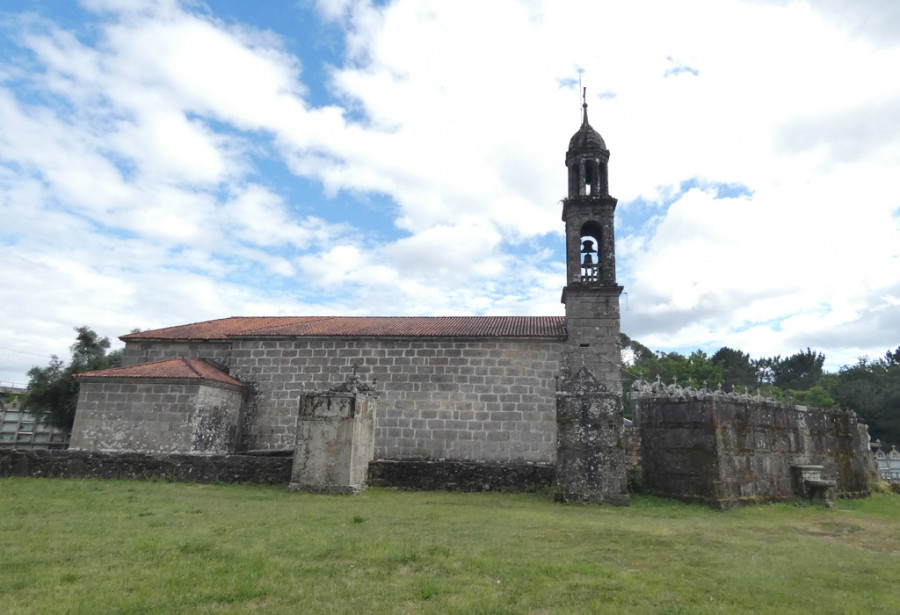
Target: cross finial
x: 584, y: 105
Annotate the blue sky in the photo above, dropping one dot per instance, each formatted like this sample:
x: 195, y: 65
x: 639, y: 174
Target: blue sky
x: 167, y: 162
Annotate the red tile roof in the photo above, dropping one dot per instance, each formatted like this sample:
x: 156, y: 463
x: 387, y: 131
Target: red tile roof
x: 220, y: 329
x: 361, y: 326
x: 183, y: 368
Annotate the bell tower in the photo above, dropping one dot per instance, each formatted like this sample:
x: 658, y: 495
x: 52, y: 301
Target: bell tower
x: 591, y: 294
x: 590, y: 455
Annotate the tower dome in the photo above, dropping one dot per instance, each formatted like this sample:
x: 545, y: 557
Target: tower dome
x: 586, y: 138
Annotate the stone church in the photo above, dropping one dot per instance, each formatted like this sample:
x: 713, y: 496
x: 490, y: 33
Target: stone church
x: 458, y: 402
x: 474, y: 389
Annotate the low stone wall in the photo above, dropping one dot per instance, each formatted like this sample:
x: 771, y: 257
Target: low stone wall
x: 270, y: 470
x: 459, y: 475
x: 729, y: 449
x: 181, y: 468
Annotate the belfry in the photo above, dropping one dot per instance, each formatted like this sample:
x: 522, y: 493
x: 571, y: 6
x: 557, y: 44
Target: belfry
x: 591, y: 294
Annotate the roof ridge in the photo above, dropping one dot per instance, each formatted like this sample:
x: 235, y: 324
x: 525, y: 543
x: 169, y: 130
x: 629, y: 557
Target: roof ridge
x: 121, y: 367
x: 189, y: 361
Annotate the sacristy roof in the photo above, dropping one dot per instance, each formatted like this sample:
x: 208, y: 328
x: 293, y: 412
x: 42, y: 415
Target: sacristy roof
x: 184, y: 368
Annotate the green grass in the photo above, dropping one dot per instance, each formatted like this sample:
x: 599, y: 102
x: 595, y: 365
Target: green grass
x: 72, y: 546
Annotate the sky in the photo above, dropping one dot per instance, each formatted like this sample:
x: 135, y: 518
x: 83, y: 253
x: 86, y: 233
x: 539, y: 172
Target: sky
x: 167, y: 162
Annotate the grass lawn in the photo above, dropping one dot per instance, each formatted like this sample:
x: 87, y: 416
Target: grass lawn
x: 92, y: 546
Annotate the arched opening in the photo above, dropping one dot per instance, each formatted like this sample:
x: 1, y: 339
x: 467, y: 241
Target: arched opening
x: 590, y: 178
x: 590, y: 252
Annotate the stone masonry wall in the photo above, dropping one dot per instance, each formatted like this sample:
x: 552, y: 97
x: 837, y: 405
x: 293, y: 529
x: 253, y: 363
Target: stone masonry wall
x: 142, y: 466
x: 442, y: 398
x: 592, y: 322
x: 217, y: 352
x: 460, y: 399
x: 727, y: 449
x: 156, y: 417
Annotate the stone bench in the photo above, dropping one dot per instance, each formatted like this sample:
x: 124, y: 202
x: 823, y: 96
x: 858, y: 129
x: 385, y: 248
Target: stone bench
x: 808, y: 483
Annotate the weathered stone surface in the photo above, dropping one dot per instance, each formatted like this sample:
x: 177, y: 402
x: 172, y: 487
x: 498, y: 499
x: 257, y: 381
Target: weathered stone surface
x: 732, y: 449
x: 465, y: 399
x: 590, y: 457
x: 808, y: 483
x: 335, y: 440
x: 181, y: 468
x: 425, y: 475
x: 157, y: 417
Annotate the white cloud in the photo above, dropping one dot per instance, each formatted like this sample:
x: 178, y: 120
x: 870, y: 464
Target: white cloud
x: 136, y: 180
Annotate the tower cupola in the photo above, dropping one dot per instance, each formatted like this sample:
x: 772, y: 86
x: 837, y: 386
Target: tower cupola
x: 587, y: 160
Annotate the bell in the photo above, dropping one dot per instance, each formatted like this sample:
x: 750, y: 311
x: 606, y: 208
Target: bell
x: 588, y: 260
x: 587, y: 246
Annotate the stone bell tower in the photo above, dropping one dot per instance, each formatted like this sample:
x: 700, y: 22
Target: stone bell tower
x: 590, y: 456
x: 591, y: 294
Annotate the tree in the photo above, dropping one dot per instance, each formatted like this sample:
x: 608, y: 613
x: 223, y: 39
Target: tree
x: 765, y: 369
x: 672, y: 366
x: 52, y: 392
x: 871, y: 388
x: 817, y: 397
x: 737, y: 368
x: 634, y: 350
x: 801, y: 371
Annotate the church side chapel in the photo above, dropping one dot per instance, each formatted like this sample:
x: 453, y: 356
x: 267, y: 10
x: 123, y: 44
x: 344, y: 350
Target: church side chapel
x: 523, y: 394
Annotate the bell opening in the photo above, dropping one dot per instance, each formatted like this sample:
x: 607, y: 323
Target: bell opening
x: 590, y: 262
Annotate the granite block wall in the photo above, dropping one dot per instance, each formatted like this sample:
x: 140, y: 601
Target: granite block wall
x: 156, y: 417
x: 728, y: 449
x: 442, y: 399
x: 462, y: 399
x: 592, y: 322
x: 216, y: 352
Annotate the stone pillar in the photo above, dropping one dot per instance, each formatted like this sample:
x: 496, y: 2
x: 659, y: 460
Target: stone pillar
x: 335, y: 439
x: 590, y: 453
